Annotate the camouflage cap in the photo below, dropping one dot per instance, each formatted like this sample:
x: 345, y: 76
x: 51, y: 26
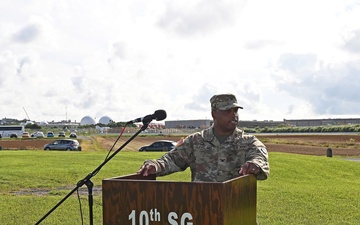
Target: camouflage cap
x: 224, y: 102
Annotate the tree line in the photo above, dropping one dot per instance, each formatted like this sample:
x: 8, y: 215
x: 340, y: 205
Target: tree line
x: 305, y: 129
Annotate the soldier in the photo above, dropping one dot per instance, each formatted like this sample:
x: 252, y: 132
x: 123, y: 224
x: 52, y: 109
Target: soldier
x: 216, y: 154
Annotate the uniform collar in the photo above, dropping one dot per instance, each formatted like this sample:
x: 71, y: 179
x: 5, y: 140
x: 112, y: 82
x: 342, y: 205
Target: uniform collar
x: 209, y: 136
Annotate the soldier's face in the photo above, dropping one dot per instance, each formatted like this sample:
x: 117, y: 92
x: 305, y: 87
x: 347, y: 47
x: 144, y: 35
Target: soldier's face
x: 226, y: 120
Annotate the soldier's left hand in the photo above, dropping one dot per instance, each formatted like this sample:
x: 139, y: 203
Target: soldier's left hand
x: 249, y: 168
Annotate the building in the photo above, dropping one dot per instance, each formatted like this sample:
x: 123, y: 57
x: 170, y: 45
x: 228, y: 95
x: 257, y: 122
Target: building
x: 260, y: 124
x: 202, y: 124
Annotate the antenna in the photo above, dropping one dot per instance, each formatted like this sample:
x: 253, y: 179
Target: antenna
x: 26, y: 114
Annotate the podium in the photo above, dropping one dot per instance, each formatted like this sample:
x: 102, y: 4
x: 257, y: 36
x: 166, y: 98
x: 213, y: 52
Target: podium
x: 138, y: 200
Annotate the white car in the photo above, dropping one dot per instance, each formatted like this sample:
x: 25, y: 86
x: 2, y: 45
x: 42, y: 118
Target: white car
x: 37, y: 134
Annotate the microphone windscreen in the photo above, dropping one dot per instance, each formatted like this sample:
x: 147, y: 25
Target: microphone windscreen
x: 159, y: 114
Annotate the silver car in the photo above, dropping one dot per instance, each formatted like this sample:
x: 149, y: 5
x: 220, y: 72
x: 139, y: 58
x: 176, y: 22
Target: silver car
x: 63, y: 144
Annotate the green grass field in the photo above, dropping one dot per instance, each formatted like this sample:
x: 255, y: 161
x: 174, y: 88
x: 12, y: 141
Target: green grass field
x: 300, y: 190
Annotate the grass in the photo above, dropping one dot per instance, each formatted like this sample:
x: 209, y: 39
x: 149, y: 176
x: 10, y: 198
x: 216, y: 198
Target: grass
x: 301, y: 189
x: 310, y: 190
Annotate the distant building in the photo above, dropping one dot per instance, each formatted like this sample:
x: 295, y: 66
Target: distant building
x: 260, y: 124
x: 202, y: 124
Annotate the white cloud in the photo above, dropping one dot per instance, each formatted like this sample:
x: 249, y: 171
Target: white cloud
x: 188, y: 18
x: 125, y: 59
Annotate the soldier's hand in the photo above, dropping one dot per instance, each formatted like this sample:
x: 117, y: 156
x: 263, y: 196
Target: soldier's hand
x: 146, y: 169
x: 249, y: 168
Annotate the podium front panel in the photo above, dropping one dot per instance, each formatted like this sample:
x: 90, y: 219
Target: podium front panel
x: 130, y: 200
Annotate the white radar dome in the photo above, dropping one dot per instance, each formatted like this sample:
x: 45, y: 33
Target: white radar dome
x: 105, y: 120
x: 87, y: 120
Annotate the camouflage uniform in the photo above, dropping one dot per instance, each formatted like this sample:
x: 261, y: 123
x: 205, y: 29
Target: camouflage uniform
x: 212, y: 161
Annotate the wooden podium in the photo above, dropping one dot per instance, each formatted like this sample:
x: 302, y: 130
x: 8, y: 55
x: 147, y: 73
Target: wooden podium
x: 138, y: 200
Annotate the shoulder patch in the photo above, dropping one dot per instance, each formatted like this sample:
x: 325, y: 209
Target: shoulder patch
x: 248, y: 137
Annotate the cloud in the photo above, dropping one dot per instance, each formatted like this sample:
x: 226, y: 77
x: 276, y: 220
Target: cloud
x: 8, y: 65
x: 119, y: 49
x: 27, y: 34
x: 259, y: 44
x: 353, y: 43
x: 201, y: 99
x: 128, y: 58
x: 23, y: 62
x: 328, y: 88
x: 199, y: 17
x: 297, y: 62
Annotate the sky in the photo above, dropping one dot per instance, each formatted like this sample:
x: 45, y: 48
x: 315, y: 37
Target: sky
x: 64, y: 60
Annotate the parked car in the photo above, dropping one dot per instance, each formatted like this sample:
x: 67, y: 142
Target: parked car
x: 73, y: 135
x: 37, y: 134
x: 50, y: 134
x: 163, y: 145
x: 63, y: 144
x: 61, y: 134
x: 25, y: 135
x: 13, y: 135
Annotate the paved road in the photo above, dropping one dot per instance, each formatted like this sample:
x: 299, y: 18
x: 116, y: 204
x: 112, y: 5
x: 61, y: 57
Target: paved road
x: 353, y: 159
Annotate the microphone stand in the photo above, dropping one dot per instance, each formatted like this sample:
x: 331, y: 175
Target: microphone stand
x: 89, y: 183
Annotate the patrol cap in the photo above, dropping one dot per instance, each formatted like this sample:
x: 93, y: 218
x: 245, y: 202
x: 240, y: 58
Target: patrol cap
x: 224, y: 102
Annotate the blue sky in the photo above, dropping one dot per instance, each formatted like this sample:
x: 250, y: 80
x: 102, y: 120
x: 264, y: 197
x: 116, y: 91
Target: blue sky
x: 125, y: 59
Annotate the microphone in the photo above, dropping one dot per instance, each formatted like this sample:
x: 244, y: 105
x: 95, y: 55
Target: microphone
x: 158, y: 115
